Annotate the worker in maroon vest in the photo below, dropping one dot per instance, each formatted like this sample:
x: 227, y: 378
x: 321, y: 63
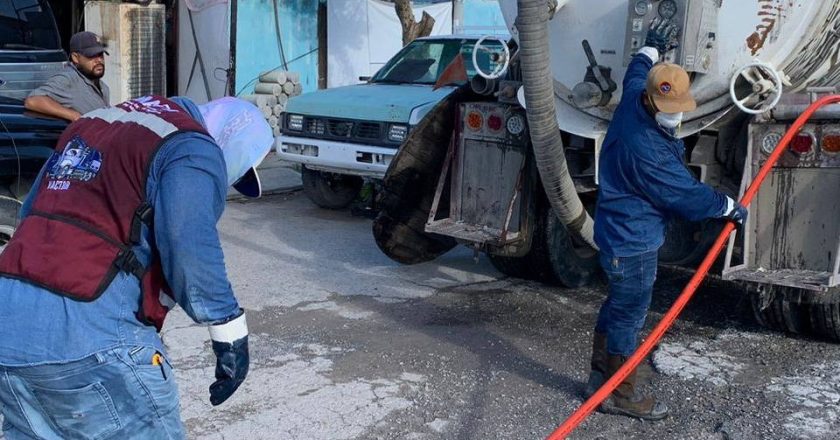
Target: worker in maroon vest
x: 120, y: 226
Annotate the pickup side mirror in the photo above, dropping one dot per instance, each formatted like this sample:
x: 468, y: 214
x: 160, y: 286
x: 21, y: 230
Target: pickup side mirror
x: 364, y: 78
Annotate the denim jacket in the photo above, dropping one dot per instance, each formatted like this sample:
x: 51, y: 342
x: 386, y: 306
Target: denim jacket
x: 643, y: 178
x: 187, y: 186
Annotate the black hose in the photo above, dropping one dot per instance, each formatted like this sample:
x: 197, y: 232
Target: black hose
x: 532, y: 24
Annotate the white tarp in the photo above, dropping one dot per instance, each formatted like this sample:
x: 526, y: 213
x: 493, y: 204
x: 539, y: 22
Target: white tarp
x: 363, y: 36
x: 198, y: 5
x: 212, y: 28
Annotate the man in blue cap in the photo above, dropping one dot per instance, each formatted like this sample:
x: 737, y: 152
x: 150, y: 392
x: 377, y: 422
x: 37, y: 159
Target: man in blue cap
x: 119, y: 227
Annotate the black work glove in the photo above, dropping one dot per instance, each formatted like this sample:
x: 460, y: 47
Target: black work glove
x: 736, y: 213
x: 662, y: 36
x: 230, y: 344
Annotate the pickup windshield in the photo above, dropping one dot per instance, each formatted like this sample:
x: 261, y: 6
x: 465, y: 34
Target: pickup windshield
x: 423, y: 61
x: 27, y: 25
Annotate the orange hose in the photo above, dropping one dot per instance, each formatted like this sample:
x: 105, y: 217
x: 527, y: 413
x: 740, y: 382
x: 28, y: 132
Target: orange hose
x: 653, y: 338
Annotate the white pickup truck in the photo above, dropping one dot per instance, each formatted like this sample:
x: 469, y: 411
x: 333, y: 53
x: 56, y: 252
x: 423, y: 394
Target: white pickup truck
x: 345, y: 134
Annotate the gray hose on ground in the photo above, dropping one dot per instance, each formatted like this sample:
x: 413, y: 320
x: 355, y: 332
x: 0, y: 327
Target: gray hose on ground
x: 537, y: 78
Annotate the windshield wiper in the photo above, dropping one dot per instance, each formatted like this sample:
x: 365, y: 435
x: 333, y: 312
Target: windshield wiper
x: 387, y: 81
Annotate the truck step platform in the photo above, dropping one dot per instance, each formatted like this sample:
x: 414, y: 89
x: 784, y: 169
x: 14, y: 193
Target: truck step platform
x: 802, y: 279
x: 473, y: 233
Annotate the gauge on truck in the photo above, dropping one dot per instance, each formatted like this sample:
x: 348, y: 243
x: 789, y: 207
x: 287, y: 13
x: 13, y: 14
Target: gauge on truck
x: 643, y: 7
x: 668, y: 9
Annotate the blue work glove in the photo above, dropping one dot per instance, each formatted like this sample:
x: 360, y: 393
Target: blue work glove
x: 662, y: 36
x: 735, y: 212
x: 230, y: 344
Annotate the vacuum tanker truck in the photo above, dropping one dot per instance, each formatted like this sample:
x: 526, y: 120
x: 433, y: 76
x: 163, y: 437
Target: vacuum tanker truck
x: 508, y: 165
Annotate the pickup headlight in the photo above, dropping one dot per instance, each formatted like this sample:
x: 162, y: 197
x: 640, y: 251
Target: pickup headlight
x: 397, y: 132
x: 295, y: 122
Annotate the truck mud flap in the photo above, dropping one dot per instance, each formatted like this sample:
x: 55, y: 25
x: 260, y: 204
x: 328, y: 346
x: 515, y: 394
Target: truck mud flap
x: 409, y: 188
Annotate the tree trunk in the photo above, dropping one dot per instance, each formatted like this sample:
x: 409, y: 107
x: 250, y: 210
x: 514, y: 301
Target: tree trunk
x: 412, y: 29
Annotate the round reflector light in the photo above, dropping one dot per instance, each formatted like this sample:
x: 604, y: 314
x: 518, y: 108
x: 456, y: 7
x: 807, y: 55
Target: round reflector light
x: 802, y: 144
x: 831, y: 143
x: 475, y: 121
x: 494, y: 122
x: 516, y: 125
x: 770, y: 142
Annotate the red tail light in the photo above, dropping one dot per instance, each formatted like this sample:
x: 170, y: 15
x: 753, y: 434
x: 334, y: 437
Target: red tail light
x: 802, y: 144
x: 831, y: 143
x: 494, y: 122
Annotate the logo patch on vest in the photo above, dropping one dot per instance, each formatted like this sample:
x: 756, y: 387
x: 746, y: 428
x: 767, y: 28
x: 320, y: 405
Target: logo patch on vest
x: 147, y: 104
x: 78, y: 162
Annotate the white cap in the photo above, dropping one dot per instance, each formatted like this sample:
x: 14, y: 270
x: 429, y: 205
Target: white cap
x: 240, y: 130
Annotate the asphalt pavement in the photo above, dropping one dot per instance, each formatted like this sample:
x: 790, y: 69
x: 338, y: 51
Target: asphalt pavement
x: 347, y: 344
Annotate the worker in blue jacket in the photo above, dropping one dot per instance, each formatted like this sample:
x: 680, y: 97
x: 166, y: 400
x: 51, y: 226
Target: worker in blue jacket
x: 643, y: 180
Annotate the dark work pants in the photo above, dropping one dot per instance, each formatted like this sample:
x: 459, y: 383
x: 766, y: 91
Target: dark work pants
x: 623, y: 313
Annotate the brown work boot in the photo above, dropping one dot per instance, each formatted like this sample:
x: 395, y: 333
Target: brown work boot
x: 626, y: 401
x: 598, y: 364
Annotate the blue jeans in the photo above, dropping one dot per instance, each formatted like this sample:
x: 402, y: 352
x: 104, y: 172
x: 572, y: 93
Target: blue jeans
x: 115, y: 393
x: 623, y: 313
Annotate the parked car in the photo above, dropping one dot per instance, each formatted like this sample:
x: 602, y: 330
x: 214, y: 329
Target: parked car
x: 345, y: 134
x: 27, y: 140
x: 30, y: 48
x: 30, y: 52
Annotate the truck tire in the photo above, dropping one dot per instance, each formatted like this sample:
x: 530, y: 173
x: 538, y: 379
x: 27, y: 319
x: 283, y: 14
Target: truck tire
x: 330, y: 190
x: 536, y: 264
x: 798, y: 311
x: 9, y: 208
x: 825, y: 315
x: 554, y: 258
x: 573, y: 264
x: 516, y: 267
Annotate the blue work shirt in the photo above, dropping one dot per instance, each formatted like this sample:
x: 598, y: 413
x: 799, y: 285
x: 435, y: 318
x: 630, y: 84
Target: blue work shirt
x: 187, y: 186
x: 643, y: 178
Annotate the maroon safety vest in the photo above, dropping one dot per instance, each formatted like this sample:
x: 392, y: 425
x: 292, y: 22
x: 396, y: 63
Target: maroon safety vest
x: 91, y: 204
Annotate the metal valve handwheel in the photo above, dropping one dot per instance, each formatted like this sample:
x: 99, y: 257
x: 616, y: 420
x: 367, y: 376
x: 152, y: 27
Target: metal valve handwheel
x: 501, y: 55
x: 766, y: 85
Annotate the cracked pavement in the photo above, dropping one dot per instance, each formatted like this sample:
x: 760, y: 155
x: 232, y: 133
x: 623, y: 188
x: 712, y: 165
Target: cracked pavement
x: 350, y: 345
x: 347, y: 344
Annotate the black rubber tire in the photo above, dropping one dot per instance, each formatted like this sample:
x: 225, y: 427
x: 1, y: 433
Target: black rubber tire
x: 553, y: 257
x: 686, y: 243
x: 328, y: 190
x: 535, y: 265
x: 573, y: 264
x: 825, y: 315
x: 798, y: 311
x: 516, y: 267
x: 9, y: 209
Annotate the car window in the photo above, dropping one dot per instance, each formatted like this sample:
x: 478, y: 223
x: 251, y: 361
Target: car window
x: 484, y: 58
x: 418, y: 63
x: 27, y: 25
x: 423, y: 61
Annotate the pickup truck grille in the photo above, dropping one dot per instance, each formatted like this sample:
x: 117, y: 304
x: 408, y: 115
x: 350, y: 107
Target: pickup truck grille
x: 369, y: 130
x: 372, y: 133
x: 340, y: 128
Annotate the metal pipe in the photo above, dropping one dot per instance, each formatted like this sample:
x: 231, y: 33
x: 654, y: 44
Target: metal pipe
x: 787, y: 112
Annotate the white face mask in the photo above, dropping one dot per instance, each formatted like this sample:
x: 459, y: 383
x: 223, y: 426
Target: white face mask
x: 669, y: 120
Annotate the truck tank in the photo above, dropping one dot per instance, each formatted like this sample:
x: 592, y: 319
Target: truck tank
x: 717, y: 38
